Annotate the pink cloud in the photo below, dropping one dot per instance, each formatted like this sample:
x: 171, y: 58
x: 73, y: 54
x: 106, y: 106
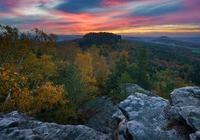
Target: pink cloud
x: 113, y: 2
x: 192, y: 5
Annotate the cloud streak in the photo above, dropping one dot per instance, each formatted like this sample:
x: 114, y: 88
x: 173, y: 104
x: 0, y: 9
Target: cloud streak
x: 126, y: 17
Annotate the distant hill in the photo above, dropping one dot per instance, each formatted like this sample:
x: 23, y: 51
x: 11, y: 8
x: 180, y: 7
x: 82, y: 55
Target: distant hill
x: 98, y: 39
x: 195, y: 40
x: 162, y: 39
x: 172, y: 42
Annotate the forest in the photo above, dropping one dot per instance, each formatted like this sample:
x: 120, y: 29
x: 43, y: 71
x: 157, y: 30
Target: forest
x: 59, y: 81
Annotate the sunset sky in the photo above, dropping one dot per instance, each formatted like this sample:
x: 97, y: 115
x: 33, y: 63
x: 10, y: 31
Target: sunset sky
x: 125, y: 17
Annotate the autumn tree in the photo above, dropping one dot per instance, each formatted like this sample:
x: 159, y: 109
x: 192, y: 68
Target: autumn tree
x: 84, y: 63
x: 26, y: 81
x: 68, y: 51
x: 100, y: 67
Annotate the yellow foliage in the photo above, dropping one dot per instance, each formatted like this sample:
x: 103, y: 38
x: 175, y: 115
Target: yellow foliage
x: 38, y: 69
x: 100, y: 67
x: 20, y: 100
x: 84, y: 63
x: 32, y: 102
x: 48, y: 96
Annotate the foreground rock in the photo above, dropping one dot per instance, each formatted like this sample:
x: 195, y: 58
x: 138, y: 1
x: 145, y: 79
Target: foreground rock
x: 142, y: 116
x: 146, y: 119
x: 15, y: 126
x: 149, y: 117
x: 186, y: 108
x: 103, y: 121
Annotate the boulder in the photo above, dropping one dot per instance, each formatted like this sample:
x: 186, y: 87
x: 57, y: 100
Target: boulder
x: 185, y: 96
x: 186, y: 108
x: 16, y: 126
x: 146, y: 118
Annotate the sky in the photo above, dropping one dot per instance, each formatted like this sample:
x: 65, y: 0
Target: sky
x: 125, y: 17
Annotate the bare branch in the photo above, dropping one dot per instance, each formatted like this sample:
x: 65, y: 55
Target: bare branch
x: 21, y: 60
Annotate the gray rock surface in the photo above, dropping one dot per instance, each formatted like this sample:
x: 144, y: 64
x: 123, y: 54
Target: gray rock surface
x: 195, y: 136
x: 147, y: 118
x: 133, y: 88
x: 186, y: 108
x: 103, y: 121
x: 186, y: 96
x: 15, y: 126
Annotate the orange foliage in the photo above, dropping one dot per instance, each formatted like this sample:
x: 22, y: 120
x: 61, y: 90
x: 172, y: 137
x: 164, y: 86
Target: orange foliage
x: 48, y: 96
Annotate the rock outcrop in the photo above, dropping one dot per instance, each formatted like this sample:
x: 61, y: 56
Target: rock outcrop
x: 15, y: 126
x: 148, y: 117
x: 142, y: 116
x: 103, y: 121
x: 186, y: 108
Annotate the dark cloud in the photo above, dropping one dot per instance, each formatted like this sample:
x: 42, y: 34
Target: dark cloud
x: 3, y: 9
x: 78, y: 6
x: 158, y: 9
x: 7, y: 21
x: 65, y: 23
x: 8, y: 4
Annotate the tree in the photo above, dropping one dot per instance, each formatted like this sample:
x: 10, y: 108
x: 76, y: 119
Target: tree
x: 74, y: 85
x: 113, y: 82
x: 124, y: 81
x: 100, y: 67
x: 68, y: 51
x: 26, y: 81
x: 84, y: 63
x: 141, y: 69
x: 165, y: 81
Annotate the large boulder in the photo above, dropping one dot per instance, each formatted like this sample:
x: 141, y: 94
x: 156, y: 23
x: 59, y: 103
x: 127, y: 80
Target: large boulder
x: 146, y: 118
x: 186, y: 108
x: 185, y: 96
x: 15, y: 126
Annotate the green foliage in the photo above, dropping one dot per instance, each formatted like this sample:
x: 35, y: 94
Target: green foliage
x: 118, y: 76
x: 165, y: 81
x: 142, y: 75
x: 74, y: 85
x: 123, y: 81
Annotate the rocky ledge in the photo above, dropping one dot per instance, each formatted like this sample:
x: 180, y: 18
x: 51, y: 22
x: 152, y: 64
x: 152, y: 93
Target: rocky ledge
x: 142, y: 116
x: 15, y: 126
